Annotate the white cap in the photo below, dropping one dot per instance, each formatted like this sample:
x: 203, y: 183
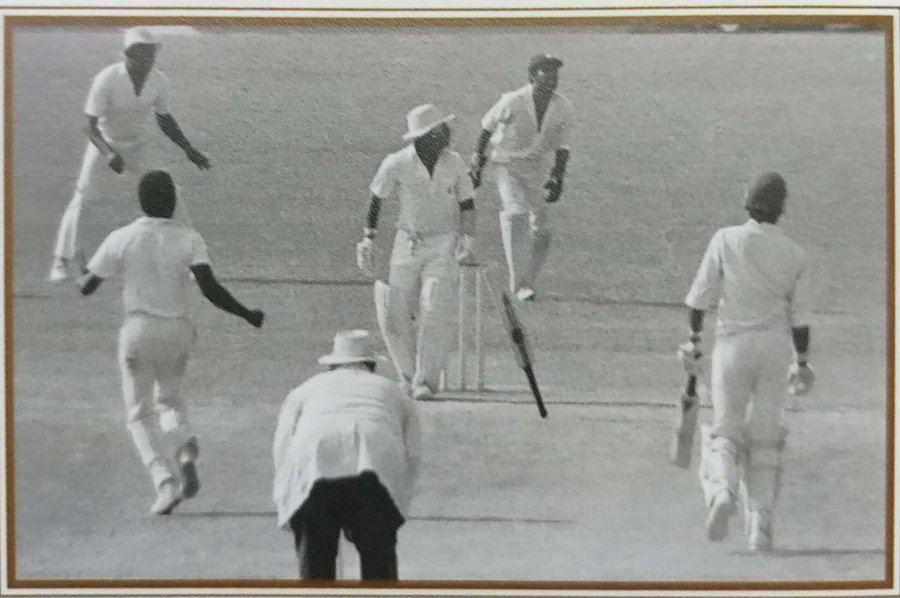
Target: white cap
x: 350, y: 346
x: 422, y: 119
x: 139, y: 35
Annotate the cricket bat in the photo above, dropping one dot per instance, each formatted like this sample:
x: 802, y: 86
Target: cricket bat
x: 685, y: 425
x: 521, y: 349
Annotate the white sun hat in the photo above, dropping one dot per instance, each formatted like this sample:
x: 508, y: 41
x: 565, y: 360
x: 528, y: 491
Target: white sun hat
x: 422, y: 119
x: 140, y: 35
x: 350, y: 346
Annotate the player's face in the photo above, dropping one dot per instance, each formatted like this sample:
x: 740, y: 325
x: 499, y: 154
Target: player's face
x: 438, y: 137
x: 141, y: 56
x: 546, y: 80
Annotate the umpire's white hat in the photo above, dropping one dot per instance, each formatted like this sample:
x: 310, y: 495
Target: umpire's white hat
x: 140, y: 35
x: 422, y: 119
x: 350, y: 346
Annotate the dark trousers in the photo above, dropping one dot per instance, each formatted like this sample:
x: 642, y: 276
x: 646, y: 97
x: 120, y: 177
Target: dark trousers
x: 363, y: 508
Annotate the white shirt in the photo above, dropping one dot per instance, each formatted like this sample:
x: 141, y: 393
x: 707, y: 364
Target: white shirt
x: 516, y: 136
x: 428, y: 203
x: 341, y: 423
x: 124, y: 116
x: 761, y: 275
x: 153, y: 256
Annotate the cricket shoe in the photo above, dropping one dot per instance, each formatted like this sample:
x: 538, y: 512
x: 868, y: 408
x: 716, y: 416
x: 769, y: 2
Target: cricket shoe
x: 167, y: 498
x: 187, y: 461
x: 59, y: 271
x: 759, y: 538
x: 525, y: 294
x: 720, y: 511
x: 422, y: 392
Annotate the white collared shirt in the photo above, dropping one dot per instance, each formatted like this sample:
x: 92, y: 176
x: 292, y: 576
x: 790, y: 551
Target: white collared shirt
x: 124, y: 116
x: 429, y: 204
x: 341, y: 423
x: 153, y: 257
x: 760, y: 275
x: 516, y: 136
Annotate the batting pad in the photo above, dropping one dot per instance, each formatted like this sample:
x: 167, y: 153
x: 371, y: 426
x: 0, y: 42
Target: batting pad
x: 392, y: 314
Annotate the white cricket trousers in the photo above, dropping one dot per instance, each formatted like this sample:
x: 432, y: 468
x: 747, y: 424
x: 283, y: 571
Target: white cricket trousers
x: 524, y: 221
x: 153, y: 355
x: 97, y: 179
x: 749, y: 388
x: 425, y: 274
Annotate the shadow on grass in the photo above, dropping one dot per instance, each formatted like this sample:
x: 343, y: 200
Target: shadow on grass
x: 423, y: 518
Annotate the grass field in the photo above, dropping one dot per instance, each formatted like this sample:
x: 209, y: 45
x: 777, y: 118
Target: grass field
x: 670, y: 127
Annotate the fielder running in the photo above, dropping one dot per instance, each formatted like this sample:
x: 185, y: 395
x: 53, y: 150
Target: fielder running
x: 119, y: 150
x: 762, y: 277
x: 435, y: 229
x: 529, y: 131
x: 156, y: 257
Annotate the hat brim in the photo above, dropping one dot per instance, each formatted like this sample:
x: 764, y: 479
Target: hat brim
x: 415, y: 133
x: 339, y: 360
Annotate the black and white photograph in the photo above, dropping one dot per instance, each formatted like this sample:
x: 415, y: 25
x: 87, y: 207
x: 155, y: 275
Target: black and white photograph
x: 352, y: 301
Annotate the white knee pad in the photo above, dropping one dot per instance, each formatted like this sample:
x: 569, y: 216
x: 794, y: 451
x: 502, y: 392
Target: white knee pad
x: 720, y: 464
x: 393, y: 315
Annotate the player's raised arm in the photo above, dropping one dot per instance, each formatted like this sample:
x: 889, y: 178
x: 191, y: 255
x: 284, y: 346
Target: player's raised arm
x: 170, y: 129
x: 221, y: 298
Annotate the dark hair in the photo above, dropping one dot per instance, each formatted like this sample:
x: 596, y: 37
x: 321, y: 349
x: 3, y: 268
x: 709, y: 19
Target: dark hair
x: 543, y: 62
x: 156, y: 192
x: 766, y: 197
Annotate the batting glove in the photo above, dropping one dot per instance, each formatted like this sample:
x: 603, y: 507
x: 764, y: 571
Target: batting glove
x: 365, y: 257
x: 553, y: 188
x: 691, y: 358
x: 801, y: 379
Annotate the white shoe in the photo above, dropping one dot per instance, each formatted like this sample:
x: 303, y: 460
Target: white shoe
x: 422, y: 392
x: 760, y: 536
x: 525, y: 294
x: 59, y: 271
x: 720, y: 511
x: 167, y: 498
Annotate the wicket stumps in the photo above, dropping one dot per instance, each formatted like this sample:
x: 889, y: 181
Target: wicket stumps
x: 475, y: 272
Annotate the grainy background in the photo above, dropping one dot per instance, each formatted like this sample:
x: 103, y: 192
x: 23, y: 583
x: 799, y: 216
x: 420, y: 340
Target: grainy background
x: 669, y: 129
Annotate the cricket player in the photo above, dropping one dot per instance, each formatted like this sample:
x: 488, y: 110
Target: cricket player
x: 346, y: 452
x: 529, y: 131
x: 435, y: 232
x: 155, y: 257
x: 762, y: 279
x: 119, y: 150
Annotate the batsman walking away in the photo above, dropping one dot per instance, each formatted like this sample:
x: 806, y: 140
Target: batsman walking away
x: 763, y: 281
x: 435, y: 231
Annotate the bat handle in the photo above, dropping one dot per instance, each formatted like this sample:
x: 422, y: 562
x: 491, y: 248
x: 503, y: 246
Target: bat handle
x: 690, y: 388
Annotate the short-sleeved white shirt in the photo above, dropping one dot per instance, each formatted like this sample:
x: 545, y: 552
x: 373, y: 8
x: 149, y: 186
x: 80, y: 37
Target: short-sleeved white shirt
x: 123, y: 115
x: 428, y: 203
x: 341, y: 423
x: 513, y: 122
x: 153, y: 257
x: 760, y: 275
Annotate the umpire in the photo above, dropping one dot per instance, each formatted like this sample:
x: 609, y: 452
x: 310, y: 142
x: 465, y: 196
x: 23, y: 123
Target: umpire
x: 346, y: 453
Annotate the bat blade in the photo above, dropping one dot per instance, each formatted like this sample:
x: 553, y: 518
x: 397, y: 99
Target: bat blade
x: 682, y: 440
x: 522, y: 350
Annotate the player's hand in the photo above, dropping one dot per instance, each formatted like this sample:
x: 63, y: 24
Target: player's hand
x: 463, y: 251
x: 117, y: 163
x: 553, y: 188
x: 197, y: 157
x: 476, y: 166
x: 801, y: 379
x: 691, y: 357
x: 255, y: 318
x: 365, y: 257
